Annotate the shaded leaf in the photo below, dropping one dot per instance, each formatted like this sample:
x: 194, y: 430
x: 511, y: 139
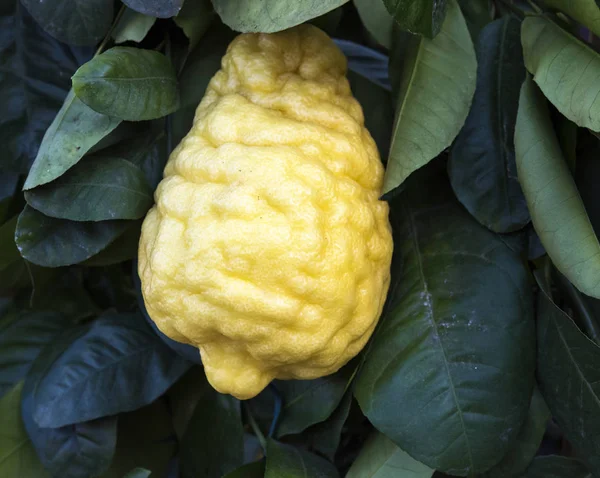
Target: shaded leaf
x: 156, y: 8
x: 554, y: 466
x: 270, y: 15
x: 116, y: 364
x: 128, y: 83
x: 367, y: 62
x: 194, y: 19
x: 455, y: 344
x: 133, y: 26
x: 250, y: 470
x: 79, y: 22
x: 565, y: 69
x: 557, y: 211
x: 8, y: 188
x: 138, y: 473
x: 381, y: 458
x: 477, y: 15
x: 95, y: 189
x: 586, y: 12
x: 377, y: 20
x: 287, y: 461
x: 424, y: 17
x: 587, y: 173
x: 124, y: 248
x: 434, y: 82
x: 482, y: 165
x: 52, y: 242
x: 183, y: 397
x: 9, y: 254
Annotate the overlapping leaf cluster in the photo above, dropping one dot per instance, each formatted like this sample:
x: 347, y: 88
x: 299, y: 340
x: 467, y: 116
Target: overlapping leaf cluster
x: 486, y: 359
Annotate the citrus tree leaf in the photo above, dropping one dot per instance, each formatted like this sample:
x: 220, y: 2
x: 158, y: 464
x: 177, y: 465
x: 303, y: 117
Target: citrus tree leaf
x: 213, y: 443
x: 124, y: 248
x: 555, y: 466
x: 79, y: 22
x: 377, y: 20
x: 250, y: 470
x: 285, y: 460
x: 477, y: 15
x: 569, y: 377
x: 586, y: 12
x: 99, y: 372
x: 455, y: 344
x: 95, y: 189
x: 557, y: 211
x: 52, y: 242
x: 156, y: 8
x: 381, y: 458
x: 74, y: 130
x: 482, y: 165
x: 138, y: 473
x: 367, y: 62
x: 270, y: 15
x: 424, y: 17
x: 194, y: 19
x: 434, y: 82
x: 133, y: 26
x: 9, y: 254
x: 565, y: 69
x: 128, y: 83
x: 17, y: 456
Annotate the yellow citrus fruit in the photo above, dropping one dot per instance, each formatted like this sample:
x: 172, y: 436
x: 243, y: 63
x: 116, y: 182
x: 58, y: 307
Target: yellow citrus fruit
x: 268, y: 247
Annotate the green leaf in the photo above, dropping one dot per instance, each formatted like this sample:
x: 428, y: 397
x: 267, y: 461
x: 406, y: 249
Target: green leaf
x: 98, y: 373
x: 554, y: 466
x: 75, y: 129
x: 557, y: 211
x: 434, y: 81
x: 477, y: 15
x: 8, y: 188
x: 194, y: 19
x: 565, y: 69
x: 133, y: 26
x: 587, y: 172
x: 586, y: 12
x: 285, y: 461
x: 270, y: 15
x: 569, y: 377
x: 424, y: 17
x: 95, y: 189
x: 368, y: 63
x: 455, y: 344
x: 51, y: 242
x: 9, y: 254
x: 124, y: 248
x: 381, y: 458
x: 213, y: 442
x: 21, y: 341
x: 17, y: 456
x: 250, y: 470
x: 377, y: 20
x: 79, y: 22
x: 138, y: 473
x: 128, y: 83
x: 482, y: 165
x: 156, y: 8
x: 527, y: 443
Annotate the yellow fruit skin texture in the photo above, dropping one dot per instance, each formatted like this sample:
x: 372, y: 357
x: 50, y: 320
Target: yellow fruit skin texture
x: 268, y: 248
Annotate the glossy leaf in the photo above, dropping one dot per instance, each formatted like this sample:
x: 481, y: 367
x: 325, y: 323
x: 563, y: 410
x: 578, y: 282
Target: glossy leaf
x: 128, y: 83
x: 124, y: 248
x: 378, y: 21
x: 250, y: 470
x: 434, y: 82
x: 155, y: 8
x: 565, y: 69
x: 95, y: 189
x: 98, y: 373
x: 557, y: 211
x: 79, y: 22
x: 269, y: 16
x: 554, y: 466
x: 586, y: 12
x: 75, y: 129
x: 51, y: 242
x: 381, y: 458
x: 482, y: 165
x: 194, y: 19
x: 455, y: 344
x: 569, y: 377
x: 133, y: 26
x: 287, y: 461
x: 17, y: 456
x: 424, y: 17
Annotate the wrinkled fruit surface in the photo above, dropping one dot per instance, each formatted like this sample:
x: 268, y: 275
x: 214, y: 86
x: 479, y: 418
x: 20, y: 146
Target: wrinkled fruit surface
x: 268, y: 248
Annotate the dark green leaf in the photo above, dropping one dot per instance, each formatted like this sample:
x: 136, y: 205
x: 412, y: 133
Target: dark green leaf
x: 194, y: 19
x: 569, y: 377
x: 285, y: 461
x: 557, y: 211
x: 482, y: 165
x: 434, y: 82
x: 554, y: 466
x: 251, y: 470
x: 111, y: 287
x: 586, y: 12
x: 9, y: 254
x: 587, y: 173
x: 52, y: 242
x: 270, y: 15
x: 138, y: 473
x: 183, y: 397
x: 567, y: 137
x: 75, y: 129
x: 424, y: 17
x: 116, y: 364
x: 449, y: 373
x: 133, y: 26
x: 128, y: 83
x: 377, y: 20
x: 213, y: 443
x: 330, y: 21
x: 477, y: 15
x: 367, y: 62
x: 79, y: 22
x: 124, y: 248
x: 95, y: 189
x: 156, y: 8
x: 8, y: 188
